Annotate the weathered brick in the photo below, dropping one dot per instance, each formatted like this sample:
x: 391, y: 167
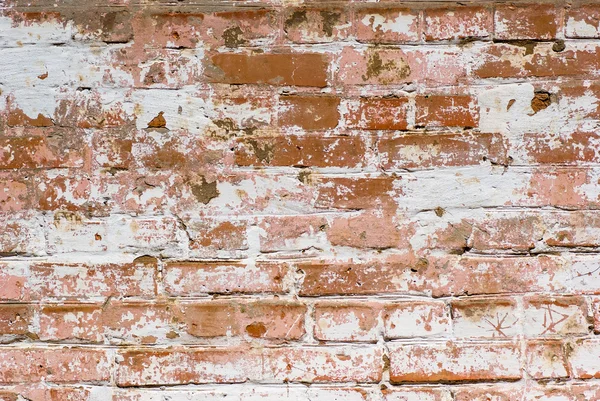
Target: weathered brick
x: 583, y: 21
x: 438, y: 277
x: 301, y: 151
x: 556, y: 316
x: 368, y: 230
x: 485, y: 317
x: 316, y: 25
x: 458, y: 23
x: 582, y: 356
x: 235, y: 365
x: 335, y: 321
x: 79, y: 322
x: 195, y: 278
x: 539, y: 22
x: 355, y: 193
x: 268, y: 319
x: 81, y: 280
x: 60, y: 365
x: 33, y: 152
x: 446, y: 111
x: 378, y: 113
x: 546, y: 359
x: 413, y: 151
x: 416, y: 319
x: 15, y: 319
x: 444, y: 362
x: 387, y: 25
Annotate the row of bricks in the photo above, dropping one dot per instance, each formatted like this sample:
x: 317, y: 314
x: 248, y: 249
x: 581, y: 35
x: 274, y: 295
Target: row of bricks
x: 453, y: 232
x: 249, y: 192
x: 441, y: 361
x: 378, y: 113
x: 363, y: 23
x: 120, y: 322
x: 336, y: 66
x: 316, y: 151
x: 397, y: 274
x: 526, y: 391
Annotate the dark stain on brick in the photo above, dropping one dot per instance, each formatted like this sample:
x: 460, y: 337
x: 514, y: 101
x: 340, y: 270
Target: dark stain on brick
x: 297, y: 18
x: 263, y: 153
x: 234, y: 37
x: 376, y: 66
x: 329, y: 20
x: 205, y: 191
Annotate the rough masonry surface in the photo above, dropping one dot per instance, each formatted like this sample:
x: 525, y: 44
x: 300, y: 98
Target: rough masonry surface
x: 299, y: 200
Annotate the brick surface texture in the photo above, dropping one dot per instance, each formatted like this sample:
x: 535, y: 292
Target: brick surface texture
x: 299, y: 200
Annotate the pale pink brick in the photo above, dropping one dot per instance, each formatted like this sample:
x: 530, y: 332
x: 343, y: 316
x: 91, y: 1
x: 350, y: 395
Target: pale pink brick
x: 416, y: 319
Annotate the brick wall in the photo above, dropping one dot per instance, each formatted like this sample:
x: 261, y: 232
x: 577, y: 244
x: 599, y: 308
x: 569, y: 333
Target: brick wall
x: 294, y: 201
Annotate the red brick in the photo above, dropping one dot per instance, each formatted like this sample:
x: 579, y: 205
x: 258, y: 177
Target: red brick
x: 301, y: 151
x: 229, y: 365
x: 416, y: 319
x: 305, y: 69
x: 265, y: 319
x: 375, y: 66
x: 137, y: 322
x: 458, y: 23
x: 71, y: 322
x: 81, y: 280
x: 309, y: 112
x: 337, y: 321
x: 60, y: 365
x: 454, y: 361
x: 34, y: 152
x: 175, y: 30
x: 236, y: 365
x: 570, y: 149
x: 239, y: 28
x: 507, y: 61
x: 355, y: 193
x: 446, y: 111
x: 560, y: 187
x: 316, y: 25
x: 211, y: 237
x: 583, y: 21
x: 296, y: 233
x: 518, y: 233
x: 378, y: 114
x: 324, y: 364
x: 387, y: 25
x: 439, y: 277
x: 70, y: 192
x: 195, y: 278
x: 15, y: 319
x: 415, y: 151
x: 540, y: 22
x: 14, y: 195
x: 368, y: 230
